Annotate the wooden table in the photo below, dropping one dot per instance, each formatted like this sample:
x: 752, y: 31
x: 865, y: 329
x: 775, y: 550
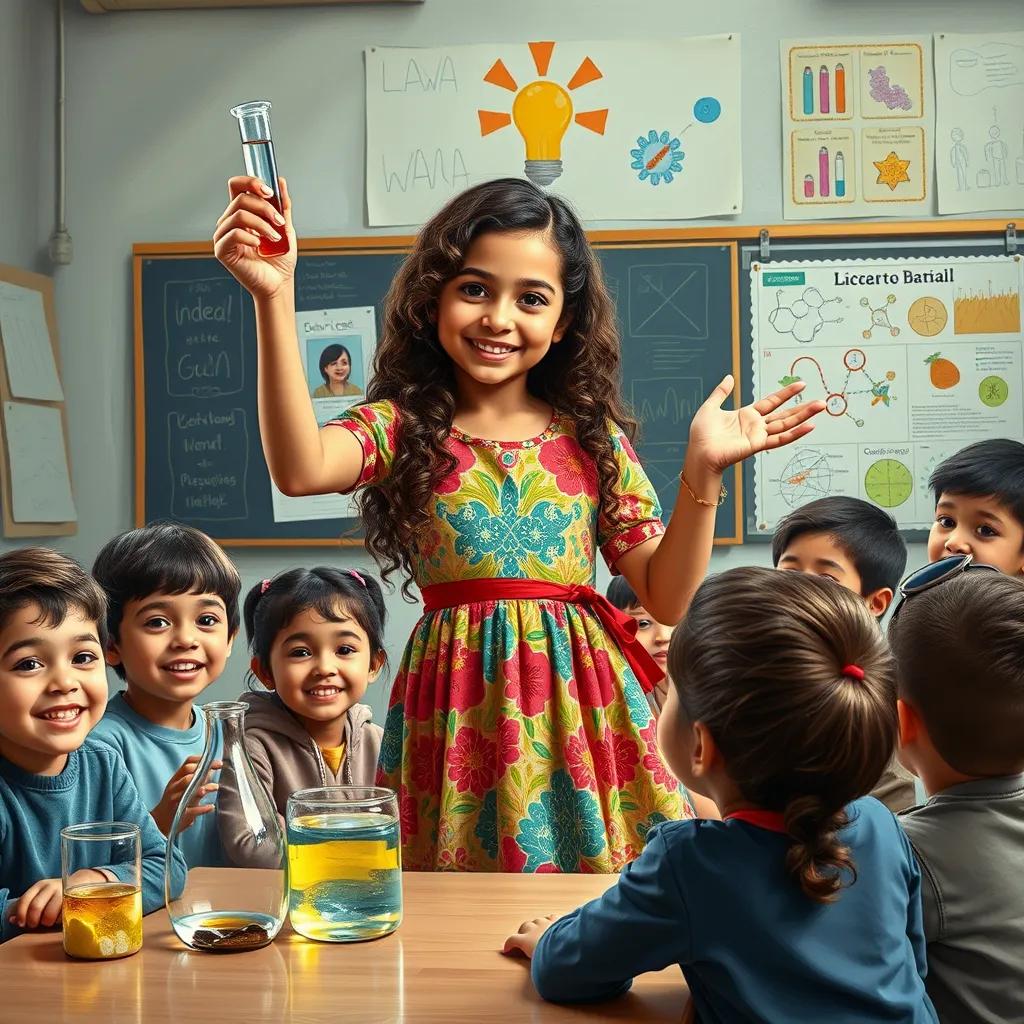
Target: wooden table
x: 441, y: 965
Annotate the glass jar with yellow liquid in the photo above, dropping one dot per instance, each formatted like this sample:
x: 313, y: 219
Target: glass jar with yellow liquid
x: 101, y: 869
x: 344, y: 863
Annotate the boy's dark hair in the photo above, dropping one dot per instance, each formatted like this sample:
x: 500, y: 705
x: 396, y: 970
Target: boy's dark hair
x: 869, y: 537
x: 54, y: 582
x: 271, y: 604
x: 959, y: 650
x: 797, y: 735
x: 993, y: 468
x: 167, y: 558
x: 622, y: 595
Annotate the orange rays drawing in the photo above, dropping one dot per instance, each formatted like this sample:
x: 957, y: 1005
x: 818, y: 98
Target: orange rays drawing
x: 499, y: 75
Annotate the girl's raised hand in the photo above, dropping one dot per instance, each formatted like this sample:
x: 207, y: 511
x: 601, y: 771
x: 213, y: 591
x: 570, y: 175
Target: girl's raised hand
x: 722, y: 437
x: 249, y: 216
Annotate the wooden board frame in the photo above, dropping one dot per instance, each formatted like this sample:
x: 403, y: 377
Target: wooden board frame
x: 730, y: 235
x: 44, y: 285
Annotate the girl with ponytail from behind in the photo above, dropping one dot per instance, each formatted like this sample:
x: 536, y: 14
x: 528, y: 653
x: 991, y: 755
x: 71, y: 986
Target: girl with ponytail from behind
x: 803, y: 904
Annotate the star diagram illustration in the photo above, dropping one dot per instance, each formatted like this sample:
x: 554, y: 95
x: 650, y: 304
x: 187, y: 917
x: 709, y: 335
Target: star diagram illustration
x: 891, y: 171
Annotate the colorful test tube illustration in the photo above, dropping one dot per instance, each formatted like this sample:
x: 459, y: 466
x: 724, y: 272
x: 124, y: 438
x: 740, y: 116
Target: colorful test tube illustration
x: 808, y: 90
x: 823, y: 185
x: 840, y: 175
x: 840, y: 84
x: 823, y: 103
x: 808, y: 186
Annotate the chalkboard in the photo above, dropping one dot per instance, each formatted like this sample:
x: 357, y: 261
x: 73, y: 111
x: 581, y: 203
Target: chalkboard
x: 198, y: 453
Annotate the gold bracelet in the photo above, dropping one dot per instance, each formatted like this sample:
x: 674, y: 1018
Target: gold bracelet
x: 722, y: 495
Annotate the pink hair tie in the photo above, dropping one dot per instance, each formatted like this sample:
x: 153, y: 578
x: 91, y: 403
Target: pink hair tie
x: 356, y: 576
x: 264, y: 587
x: 853, y: 672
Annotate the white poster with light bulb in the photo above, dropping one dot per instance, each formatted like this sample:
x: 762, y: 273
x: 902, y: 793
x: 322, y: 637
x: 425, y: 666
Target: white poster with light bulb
x: 634, y: 130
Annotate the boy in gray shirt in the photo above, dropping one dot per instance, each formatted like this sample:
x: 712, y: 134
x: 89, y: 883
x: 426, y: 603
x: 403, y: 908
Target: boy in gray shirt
x: 958, y: 638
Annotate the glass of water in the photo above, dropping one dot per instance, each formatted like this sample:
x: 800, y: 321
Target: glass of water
x: 344, y: 863
x: 101, y: 866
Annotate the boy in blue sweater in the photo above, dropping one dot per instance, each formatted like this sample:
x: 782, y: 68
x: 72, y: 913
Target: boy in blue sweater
x: 172, y: 615
x: 52, y: 692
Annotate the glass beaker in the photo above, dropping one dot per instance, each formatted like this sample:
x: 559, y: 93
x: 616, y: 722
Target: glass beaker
x: 260, y: 162
x: 217, y: 912
x: 344, y: 863
x: 101, y: 872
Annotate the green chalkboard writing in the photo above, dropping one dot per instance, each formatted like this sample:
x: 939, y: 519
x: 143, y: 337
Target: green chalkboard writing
x: 198, y: 453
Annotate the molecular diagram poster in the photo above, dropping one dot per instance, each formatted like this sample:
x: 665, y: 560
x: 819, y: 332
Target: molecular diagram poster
x: 914, y: 359
x: 625, y: 130
x: 856, y: 128
x: 979, y: 130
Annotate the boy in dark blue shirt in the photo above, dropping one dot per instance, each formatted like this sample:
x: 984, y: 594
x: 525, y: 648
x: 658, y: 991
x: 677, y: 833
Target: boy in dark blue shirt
x: 53, y: 689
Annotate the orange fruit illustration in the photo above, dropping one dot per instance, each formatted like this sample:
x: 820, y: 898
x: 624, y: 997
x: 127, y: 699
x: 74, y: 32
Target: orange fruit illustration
x: 944, y: 373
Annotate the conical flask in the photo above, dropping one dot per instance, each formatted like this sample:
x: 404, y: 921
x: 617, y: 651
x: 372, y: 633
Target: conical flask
x: 222, y: 911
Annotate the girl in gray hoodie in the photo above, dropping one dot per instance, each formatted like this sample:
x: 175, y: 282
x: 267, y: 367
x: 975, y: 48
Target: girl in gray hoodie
x: 317, y: 641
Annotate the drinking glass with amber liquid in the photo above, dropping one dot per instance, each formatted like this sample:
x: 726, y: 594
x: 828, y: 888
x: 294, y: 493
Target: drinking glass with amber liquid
x: 101, y: 869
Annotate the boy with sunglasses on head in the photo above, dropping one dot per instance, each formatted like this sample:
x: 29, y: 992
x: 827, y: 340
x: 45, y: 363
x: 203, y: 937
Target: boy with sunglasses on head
x: 979, y: 505
x: 859, y: 546
x: 958, y: 639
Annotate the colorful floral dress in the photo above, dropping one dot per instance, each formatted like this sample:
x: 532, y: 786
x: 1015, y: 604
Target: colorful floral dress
x: 518, y: 738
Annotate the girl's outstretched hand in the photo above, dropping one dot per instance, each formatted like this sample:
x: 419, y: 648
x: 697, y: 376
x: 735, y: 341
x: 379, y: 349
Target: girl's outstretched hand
x: 722, y: 437
x: 236, y: 241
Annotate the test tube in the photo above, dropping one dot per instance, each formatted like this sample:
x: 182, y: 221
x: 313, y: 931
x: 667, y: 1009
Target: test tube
x: 823, y: 182
x: 823, y: 77
x: 808, y: 186
x: 808, y: 80
x: 840, y: 165
x: 258, y: 152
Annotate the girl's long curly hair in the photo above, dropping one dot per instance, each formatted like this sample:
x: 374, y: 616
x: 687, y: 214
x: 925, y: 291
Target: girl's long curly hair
x: 579, y: 377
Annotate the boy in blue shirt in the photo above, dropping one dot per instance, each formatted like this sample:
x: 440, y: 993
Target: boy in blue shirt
x: 979, y: 505
x: 172, y: 615
x: 52, y: 692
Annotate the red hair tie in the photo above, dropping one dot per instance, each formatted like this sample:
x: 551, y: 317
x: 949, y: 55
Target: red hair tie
x: 853, y: 672
x: 264, y: 587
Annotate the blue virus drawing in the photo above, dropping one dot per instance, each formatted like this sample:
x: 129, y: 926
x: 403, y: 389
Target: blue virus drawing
x: 657, y: 158
x: 707, y: 109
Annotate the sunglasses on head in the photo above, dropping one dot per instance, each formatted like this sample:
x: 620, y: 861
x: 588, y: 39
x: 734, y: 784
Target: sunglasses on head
x: 933, y: 574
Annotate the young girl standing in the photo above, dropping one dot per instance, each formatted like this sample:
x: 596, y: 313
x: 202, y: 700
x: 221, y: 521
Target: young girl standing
x: 804, y: 903
x: 495, y: 461
x: 317, y: 641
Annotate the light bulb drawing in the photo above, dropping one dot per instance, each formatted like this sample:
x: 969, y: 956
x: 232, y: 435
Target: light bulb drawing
x: 542, y: 111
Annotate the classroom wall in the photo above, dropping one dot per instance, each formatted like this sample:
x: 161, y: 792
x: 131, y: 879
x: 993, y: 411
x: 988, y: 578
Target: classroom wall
x: 151, y: 145
x: 26, y: 138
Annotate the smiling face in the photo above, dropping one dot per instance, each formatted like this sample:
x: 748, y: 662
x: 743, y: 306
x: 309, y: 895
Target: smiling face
x: 320, y: 668
x: 338, y: 371
x: 984, y: 527
x: 53, y: 688
x: 500, y: 314
x: 172, y: 646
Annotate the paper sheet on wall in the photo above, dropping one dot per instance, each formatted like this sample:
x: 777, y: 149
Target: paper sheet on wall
x: 856, y: 127
x: 651, y: 127
x: 38, y: 464
x: 979, y: 121
x: 337, y: 348
x: 31, y: 370
x: 915, y: 358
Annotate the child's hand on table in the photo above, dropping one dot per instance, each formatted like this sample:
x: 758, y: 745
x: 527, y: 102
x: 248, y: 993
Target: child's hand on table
x: 40, y: 905
x: 525, y: 940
